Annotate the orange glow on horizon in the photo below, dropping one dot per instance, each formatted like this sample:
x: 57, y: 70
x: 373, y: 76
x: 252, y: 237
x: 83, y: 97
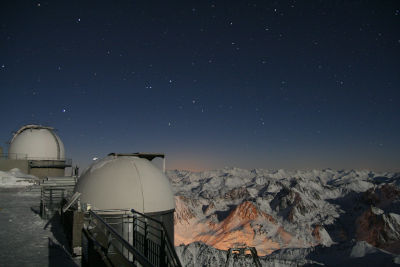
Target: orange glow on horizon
x: 189, y: 164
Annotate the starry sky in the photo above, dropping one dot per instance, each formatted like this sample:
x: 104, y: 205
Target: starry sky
x: 250, y: 84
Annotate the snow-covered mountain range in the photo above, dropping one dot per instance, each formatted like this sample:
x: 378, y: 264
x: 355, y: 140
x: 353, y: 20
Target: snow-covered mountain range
x: 288, y: 216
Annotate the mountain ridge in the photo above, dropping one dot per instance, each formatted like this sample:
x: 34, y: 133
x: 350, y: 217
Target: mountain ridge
x: 277, y: 209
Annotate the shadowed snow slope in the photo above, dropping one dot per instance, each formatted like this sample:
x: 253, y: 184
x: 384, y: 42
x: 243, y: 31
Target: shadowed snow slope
x: 285, y: 210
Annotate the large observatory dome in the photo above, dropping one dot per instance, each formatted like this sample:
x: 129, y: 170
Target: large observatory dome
x: 126, y: 182
x: 37, y: 143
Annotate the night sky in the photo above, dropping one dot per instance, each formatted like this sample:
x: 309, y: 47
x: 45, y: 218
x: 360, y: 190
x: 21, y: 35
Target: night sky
x: 250, y: 84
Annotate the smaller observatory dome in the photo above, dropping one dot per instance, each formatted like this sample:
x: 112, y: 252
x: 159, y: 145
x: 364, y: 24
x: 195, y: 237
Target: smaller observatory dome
x: 126, y: 182
x: 36, y: 142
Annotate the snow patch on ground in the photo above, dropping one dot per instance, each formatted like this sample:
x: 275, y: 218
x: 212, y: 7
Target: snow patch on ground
x: 16, y: 178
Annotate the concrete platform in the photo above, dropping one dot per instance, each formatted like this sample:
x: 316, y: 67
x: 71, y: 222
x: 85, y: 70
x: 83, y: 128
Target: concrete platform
x: 26, y: 239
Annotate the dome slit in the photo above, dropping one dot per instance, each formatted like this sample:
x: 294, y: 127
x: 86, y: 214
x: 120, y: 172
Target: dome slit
x: 141, y: 184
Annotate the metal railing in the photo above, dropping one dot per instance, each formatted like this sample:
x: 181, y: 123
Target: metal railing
x: 108, y: 242
x: 51, y: 200
x: 22, y: 156
x: 14, y: 156
x: 49, y: 163
x: 53, y: 192
x: 136, y: 237
x: 151, y: 236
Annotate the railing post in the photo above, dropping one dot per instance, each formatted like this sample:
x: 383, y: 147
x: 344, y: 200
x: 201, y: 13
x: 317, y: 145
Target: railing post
x: 51, y: 199
x: 133, y: 233
x: 162, y: 249
x: 146, y: 247
x: 42, y: 202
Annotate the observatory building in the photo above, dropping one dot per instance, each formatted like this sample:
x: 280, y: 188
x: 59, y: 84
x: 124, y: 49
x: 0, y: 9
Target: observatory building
x: 36, y: 150
x: 128, y: 181
x: 124, y: 198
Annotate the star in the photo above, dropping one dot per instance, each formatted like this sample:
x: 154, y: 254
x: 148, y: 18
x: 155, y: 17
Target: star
x: 268, y: 62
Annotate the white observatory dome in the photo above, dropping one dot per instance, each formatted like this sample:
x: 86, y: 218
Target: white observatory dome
x: 126, y: 182
x: 37, y: 143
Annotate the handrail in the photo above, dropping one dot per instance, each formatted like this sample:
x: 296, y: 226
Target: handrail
x: 145, y: 216
x: 138, y: 256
